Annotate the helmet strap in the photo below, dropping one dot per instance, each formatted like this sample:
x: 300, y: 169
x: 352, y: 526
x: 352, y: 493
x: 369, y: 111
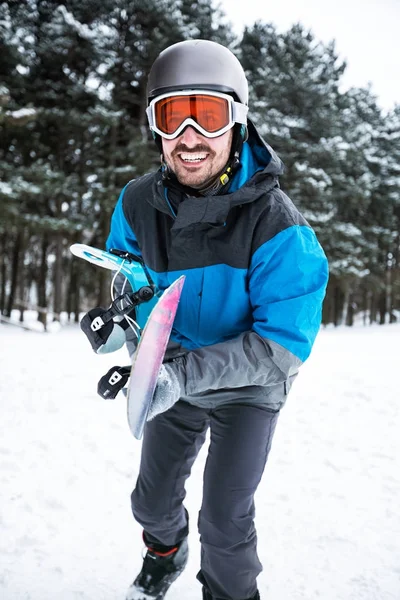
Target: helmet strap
x: 222, y: 181
x: 240, y: 135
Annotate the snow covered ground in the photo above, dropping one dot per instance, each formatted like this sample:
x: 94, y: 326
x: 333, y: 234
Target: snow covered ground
x: 328, y: 508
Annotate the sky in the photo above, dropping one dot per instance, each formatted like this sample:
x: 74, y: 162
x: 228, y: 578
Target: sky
x: 327, y: 509
x: 366, y: 34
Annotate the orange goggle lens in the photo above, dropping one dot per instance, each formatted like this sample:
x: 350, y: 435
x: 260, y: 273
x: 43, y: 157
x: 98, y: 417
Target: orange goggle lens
x: 210, y: 112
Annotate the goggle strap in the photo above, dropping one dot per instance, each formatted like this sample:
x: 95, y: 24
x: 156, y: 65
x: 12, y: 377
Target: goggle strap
x: 239, y: 113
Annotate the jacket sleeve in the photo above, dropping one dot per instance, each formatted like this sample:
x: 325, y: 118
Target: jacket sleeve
x: 121, y: 235
x: 287, y: 283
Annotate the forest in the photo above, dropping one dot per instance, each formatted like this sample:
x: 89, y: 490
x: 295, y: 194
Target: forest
x: 73, y: 132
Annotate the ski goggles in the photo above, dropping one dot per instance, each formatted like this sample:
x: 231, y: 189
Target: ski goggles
x: 211, y: 113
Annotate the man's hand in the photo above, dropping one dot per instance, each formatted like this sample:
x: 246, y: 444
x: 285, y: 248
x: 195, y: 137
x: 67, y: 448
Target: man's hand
x: 167, y: 392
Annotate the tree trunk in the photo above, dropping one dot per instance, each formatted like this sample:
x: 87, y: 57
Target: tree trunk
x: 367, y: 306
x: 14, y: 273
x: 350, y: 311
x: 382, y: 307
x: 58, y: 278
x: 22, y: 278
x: 41, y: 284
x: 346, y: 301
x: 338, y: 305
x: 396, y: 280
x: 3, y: 272
x: 77, y: 296
x: 73, y: 294
x: 373, y: 311
x: 389, y: 287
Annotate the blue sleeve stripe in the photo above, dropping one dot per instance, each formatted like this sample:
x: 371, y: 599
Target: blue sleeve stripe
x: 288, y: 278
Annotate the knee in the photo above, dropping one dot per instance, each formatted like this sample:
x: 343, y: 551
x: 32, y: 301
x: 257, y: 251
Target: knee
x: 144, y: 504
x: 226, y: 514
x: 224, y: 530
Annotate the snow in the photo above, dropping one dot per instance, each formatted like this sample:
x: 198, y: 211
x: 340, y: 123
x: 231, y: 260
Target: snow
x: 22, y: 113
x: 328, y: 515
x: 82, y: 30
x: 5, y: 188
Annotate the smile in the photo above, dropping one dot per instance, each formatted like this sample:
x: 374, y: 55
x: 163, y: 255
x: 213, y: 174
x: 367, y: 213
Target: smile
x: 188, y: 157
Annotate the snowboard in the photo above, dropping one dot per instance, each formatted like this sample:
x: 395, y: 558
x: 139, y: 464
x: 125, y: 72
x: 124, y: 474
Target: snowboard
x: 158, y: 316
x: 149, y: 356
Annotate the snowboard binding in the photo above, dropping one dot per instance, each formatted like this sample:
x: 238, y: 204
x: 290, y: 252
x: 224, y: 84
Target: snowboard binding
x: 105, y: 327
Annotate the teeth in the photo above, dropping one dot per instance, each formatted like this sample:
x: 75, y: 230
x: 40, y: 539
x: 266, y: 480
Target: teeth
x: 193, y: 157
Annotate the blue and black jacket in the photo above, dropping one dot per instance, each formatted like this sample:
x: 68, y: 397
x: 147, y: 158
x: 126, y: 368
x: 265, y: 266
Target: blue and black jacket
x: 255, y: 277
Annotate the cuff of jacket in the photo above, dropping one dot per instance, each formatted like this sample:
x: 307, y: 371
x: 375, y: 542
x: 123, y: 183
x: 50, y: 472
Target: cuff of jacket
x: 178, y: 366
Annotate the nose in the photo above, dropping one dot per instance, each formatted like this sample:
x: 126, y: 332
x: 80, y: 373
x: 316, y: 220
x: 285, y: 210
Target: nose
x: 190, y: 136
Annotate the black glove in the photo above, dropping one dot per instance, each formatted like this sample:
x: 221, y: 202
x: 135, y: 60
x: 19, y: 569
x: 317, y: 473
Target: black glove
x: 112, y: 382
x: 103, y: 337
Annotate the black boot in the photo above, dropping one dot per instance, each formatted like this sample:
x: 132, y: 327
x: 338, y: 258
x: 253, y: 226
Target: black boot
x: 207, y: 595
x: 161, y: 566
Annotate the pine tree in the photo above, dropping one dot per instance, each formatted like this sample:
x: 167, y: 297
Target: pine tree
x: 294, y: 82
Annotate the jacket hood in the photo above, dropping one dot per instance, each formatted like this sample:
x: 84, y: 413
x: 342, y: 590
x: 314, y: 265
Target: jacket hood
x: 256, y: 156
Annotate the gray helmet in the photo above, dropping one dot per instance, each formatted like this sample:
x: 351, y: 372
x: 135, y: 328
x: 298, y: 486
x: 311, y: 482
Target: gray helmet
x: 200, y: 64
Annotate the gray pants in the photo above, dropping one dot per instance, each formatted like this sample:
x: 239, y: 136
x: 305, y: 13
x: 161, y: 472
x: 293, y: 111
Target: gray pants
x: 240, y: 440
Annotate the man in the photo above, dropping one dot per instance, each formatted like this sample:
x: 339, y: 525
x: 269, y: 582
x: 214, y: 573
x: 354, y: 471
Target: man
x: 249, y: 314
